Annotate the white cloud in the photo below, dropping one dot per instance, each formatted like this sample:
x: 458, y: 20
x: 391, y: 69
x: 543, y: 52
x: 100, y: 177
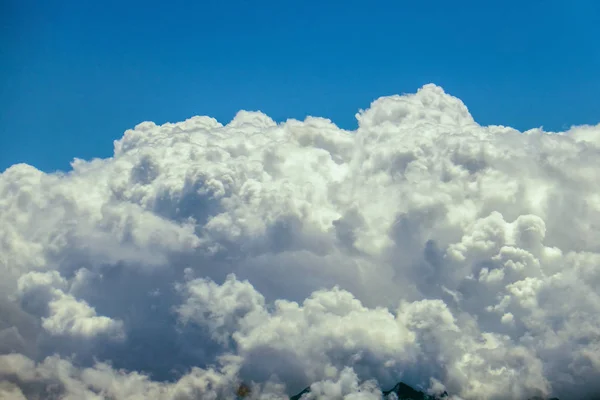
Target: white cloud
x: 44, y: 293
x: 69, y: 316
x: 421, y: 247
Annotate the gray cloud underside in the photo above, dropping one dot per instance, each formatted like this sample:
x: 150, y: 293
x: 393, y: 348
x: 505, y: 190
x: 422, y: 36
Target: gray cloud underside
x: 421, y: 247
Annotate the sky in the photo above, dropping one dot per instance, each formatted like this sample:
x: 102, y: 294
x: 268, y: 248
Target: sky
x: 75, y: 75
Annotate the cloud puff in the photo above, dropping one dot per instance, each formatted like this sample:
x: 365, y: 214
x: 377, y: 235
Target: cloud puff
x: 65, y: 314
x: 421, y: 247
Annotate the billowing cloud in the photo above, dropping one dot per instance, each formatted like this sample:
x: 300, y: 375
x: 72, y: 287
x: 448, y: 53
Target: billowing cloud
x: 421, y: 247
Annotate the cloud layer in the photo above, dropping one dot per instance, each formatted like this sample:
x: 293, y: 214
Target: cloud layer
x: 421, y: 247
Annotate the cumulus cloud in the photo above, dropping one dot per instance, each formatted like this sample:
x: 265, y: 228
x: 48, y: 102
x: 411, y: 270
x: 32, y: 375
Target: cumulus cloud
x: 421, y: 247
x: 65, y: 314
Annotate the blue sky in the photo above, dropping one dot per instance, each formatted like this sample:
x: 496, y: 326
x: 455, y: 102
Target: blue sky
x: 74, y: 76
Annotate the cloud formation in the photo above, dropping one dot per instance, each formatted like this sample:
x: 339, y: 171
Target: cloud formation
x: 421, y: 247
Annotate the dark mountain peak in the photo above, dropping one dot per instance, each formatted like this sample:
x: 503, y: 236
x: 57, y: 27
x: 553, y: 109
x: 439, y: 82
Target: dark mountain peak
x: 401, y: 390
x: 541, y: 398
x: 535, y: 398
x: 404, y: 391
x: 297, y: 396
